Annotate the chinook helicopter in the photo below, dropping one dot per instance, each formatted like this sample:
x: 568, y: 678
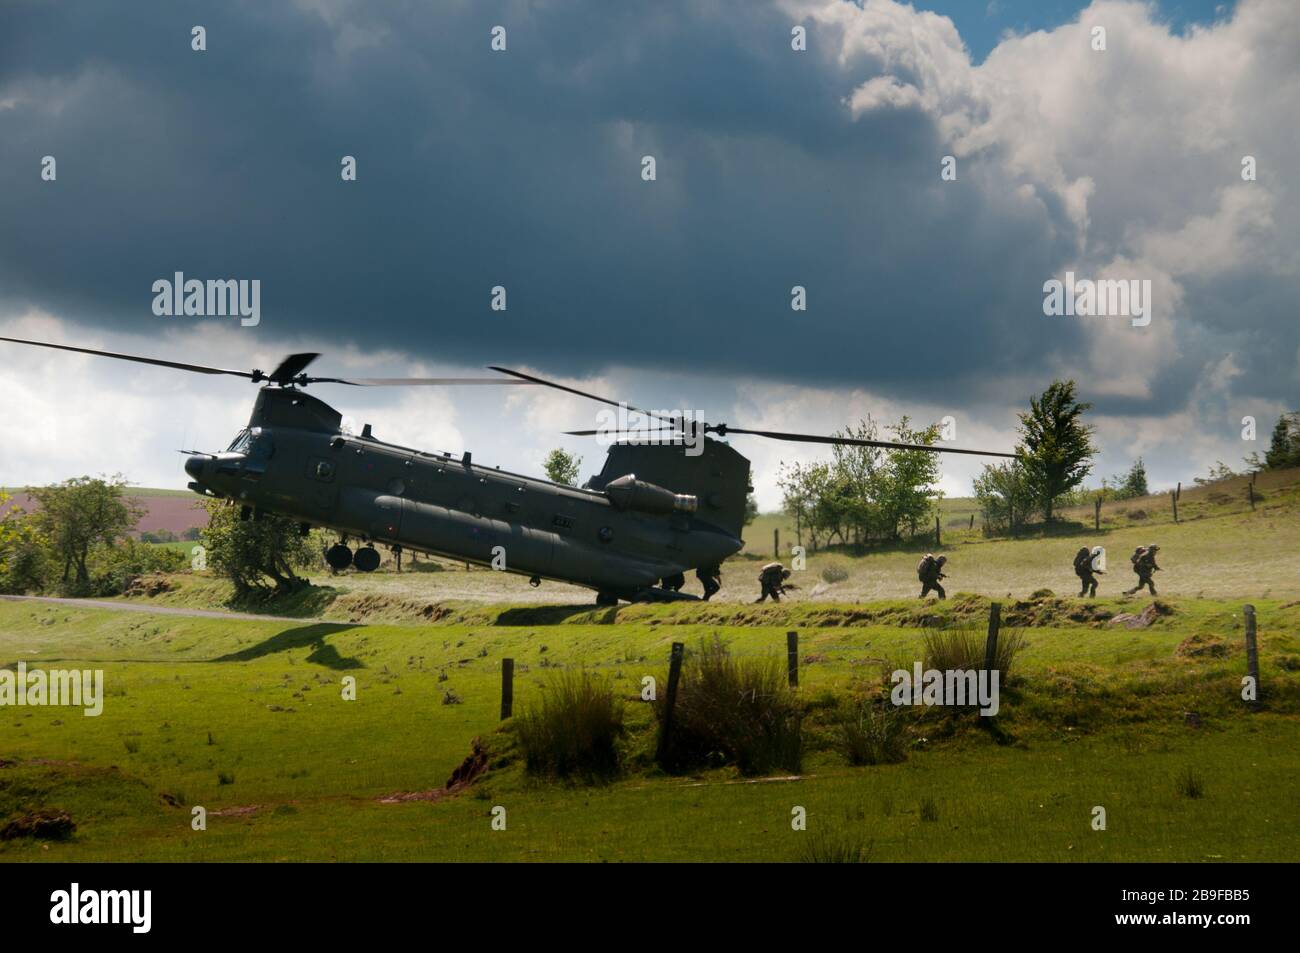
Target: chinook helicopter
x: 631, y: 533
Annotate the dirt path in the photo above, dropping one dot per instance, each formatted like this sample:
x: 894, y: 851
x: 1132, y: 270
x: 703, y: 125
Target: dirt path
x: 158, y: 610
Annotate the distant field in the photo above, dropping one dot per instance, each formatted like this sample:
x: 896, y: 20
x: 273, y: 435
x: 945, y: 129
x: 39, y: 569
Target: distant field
x: 174, y: 510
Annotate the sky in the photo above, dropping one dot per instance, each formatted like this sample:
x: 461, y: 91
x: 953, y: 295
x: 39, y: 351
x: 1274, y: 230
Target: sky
x: 774, y: 168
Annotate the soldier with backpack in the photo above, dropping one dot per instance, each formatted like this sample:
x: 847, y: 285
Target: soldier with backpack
x: 1144, y: 564
x: 1085, y: 568
x: 772, y: 582
x: 930, y: 571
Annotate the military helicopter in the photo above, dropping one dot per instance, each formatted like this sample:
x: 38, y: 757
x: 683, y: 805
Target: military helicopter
x: 631, y: 533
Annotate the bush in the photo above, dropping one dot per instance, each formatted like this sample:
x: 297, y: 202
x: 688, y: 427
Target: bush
x: 732, y: 711
x: 113, y: 567
x: 575, y: 731
x: 833, y: 573
x: 835, y: 846
x: 870, y: 734
x: 962, y: 649
x: 1189, y: 784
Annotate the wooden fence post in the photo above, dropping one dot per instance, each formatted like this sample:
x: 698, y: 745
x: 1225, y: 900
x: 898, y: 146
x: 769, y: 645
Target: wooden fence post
x: 776, y: 543
x: 1096, y: 514
x: 972, y: 521
x: 670, y: 699
x: 936, y: 532
x: 991, y: 646
x: 507, y: 688
x: 792, y: 657
x: 1252, y: 652
x: 1250, y: 491
x: 1173, y: 498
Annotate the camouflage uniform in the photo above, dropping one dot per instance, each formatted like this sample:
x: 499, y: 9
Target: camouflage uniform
x: 770, y: 580
x: 1083, y: 569
x: 930, y: 571
x: 1144, y: 564
x: 710, y: 578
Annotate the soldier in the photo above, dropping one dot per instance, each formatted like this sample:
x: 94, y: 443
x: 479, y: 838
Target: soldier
x: 1084, y: 568
x: 772, y: 580
x: 710, y: 578
x: 1144, y: 564
x: 930, y: 571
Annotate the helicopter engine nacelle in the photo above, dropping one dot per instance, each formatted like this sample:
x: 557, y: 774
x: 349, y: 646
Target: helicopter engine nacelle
x: 629, y: 493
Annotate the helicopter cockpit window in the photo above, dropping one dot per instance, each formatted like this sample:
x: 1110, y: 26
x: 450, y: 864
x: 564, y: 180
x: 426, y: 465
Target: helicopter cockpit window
x: 241, y: 443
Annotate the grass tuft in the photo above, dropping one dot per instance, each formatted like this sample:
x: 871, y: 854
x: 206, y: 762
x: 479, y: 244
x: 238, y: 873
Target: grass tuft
x: 574, y: 732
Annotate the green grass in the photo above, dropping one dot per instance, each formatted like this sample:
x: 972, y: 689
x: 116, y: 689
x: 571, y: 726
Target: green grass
x: 1095, y: 717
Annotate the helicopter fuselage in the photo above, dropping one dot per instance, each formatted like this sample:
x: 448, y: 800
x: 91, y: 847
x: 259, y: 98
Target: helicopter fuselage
x: 621, y: 540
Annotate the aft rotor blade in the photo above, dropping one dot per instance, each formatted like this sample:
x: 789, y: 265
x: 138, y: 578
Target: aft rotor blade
x: 723, y: 430
x: 674, y: 421
x: 179, y: 365
x: 412, y: 381
x: 622, y: 433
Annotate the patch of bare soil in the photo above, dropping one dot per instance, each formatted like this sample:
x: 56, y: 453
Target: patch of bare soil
x: 466, y: 774
x: 247, y: 810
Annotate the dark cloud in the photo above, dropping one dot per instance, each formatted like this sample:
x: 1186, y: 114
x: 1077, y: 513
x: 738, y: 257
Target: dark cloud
x: 519, y: 169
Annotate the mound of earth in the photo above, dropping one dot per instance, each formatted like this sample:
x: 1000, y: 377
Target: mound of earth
x: 46, y: 824
x: 149, y: 584
x: 1197, y: 646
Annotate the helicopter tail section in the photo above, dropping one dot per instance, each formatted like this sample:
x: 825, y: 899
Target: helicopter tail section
x: 717, y: 476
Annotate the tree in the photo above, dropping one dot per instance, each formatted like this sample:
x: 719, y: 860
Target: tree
x: 1218, y: 473
x: 78, y: 514
x: 22, y: 551
x: 806, y: 498
x: 1132, y: 484
x: 751, y: 508
x: 904, y: 491
x: 1003, y: 497
x: 562, y: 467
x: 866, y: 493
x: 1056, y: 447
x: 1284, y: 448
x: 251, y: 552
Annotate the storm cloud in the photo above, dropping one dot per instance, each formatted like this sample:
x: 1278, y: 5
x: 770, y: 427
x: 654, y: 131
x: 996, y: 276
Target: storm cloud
x: 775, y: 168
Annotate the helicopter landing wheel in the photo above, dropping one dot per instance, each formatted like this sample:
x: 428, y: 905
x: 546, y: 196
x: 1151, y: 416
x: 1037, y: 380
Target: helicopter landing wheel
x: 606, y: 599
x: 339, y: 557
x: 366, y: 559
x: 674, y: 583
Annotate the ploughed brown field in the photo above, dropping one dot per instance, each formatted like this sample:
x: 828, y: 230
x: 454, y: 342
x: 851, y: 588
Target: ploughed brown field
x: 164, y: 509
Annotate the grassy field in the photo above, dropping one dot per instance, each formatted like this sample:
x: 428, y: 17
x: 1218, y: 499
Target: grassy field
x: 246, y: 719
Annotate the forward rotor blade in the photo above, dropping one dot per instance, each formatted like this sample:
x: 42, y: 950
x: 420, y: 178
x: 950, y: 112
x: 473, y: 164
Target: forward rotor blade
x: 723, y: 430
x: 412, y: 381
x: 179, y: 365
x: 672, y: 421
x: 291, y: 367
